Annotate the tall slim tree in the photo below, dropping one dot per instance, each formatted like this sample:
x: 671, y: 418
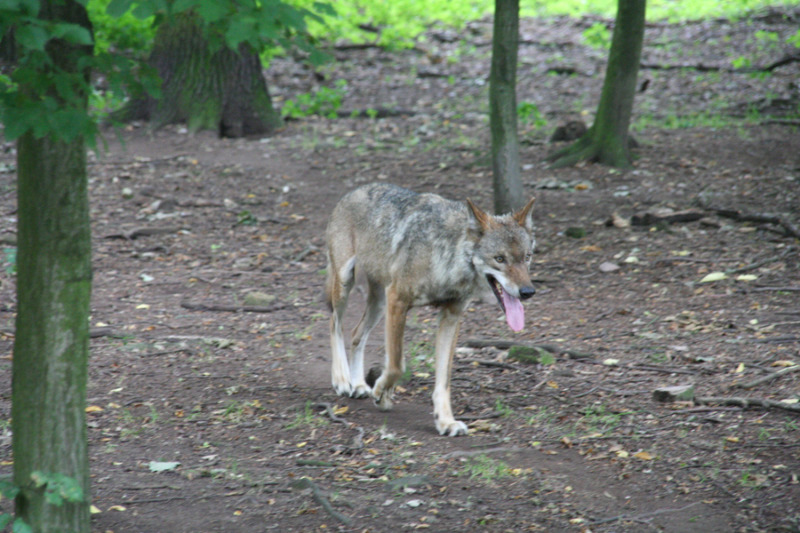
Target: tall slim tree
x: 607, y: 140
x: 508, y: 194
x: 53, y: 289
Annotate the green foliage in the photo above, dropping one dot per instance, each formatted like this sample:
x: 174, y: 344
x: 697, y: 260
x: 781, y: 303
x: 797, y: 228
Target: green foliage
x: 529, y: 113
x: 597, y: 36
x: 231, y: 23
x: 484, y: 468
x: 58, y: 489
x: 126, y: 33
x: 794, y: 40
x: 324, y: 102
x: 10, y: 260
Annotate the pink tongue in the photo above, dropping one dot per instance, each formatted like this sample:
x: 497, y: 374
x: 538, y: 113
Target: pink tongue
x: 515, y: 314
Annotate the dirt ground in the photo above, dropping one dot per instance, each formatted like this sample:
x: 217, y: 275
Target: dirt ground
x: 211, y: 410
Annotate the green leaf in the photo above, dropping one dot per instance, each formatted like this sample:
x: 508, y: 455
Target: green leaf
x: 212, y: 12
x: 21, y: 527
x: 73, y: 33
x: 32, y: 37
x: 117, y: 8
x: 5, y: 519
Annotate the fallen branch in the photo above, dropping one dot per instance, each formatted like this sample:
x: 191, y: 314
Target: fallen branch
x: 358, y: 440
x: 641, y: 517
x: 764, y: 218
x: 143, y: 232
x: 504, y: 344
x: 194, y: 306
x: 768, y: 377
x: 746, y: 403
x: 319, y: 497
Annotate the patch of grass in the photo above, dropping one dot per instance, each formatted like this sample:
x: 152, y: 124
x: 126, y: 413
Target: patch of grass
x: 597, y: 36
x: 307, y: 418
x: 502, y: 408
x: 485, y: 469
x: 324, y: 101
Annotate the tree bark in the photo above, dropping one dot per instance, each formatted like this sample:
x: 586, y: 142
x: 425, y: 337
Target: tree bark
x: 220, y: 89
x: 607, y: 140
x: 508, y: 193
x: 52, y: 325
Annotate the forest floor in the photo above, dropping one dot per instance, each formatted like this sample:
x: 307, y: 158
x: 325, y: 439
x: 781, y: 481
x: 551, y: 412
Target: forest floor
x: 209, y: 416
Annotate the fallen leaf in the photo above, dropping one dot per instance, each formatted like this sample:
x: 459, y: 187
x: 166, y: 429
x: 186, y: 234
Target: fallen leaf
x: 94, y: 409
x: 783, y: 362
x: 746, y: 277
x: 94, y: 510
x: 607, y: 266
x: 732, y: 439
x: 117, y: 508
x: 644, y: 456
x: 163, y: 466
x: 340, y: 410
x: 740, y: 368
x: 714, y: 276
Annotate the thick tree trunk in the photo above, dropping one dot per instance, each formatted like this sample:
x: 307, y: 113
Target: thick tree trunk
x: 52, y: 326
x: 508, y: 194
x: 219, y: 90
x: 607, y: 141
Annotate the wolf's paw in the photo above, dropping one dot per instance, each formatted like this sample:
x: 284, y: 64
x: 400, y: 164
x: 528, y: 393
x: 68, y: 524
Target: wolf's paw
x: 382, y: 397
x: 342, y: 388
x: 451, y: 428
x: 360, y: 390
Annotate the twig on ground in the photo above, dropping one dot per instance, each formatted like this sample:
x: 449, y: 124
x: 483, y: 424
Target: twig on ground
x: 746, y: 403
x: 643, y: 516
x: 319, y: 497
x: 194, y: 306
x: 504, y: 344
x: 769, y: 377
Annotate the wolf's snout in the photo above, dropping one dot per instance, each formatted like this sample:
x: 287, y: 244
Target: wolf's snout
x: 526, y: 292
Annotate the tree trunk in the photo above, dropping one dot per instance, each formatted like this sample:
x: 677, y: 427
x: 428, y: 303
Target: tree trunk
x: 508, y: 194
x: 52, y: 325
x: 220, y: 90
x: 607, y: 140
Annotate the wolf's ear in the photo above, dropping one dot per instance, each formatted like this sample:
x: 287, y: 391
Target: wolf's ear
x: 484, y: 219
x: 524, y: 216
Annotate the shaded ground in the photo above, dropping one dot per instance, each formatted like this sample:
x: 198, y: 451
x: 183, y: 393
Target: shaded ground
x: 242, y: 400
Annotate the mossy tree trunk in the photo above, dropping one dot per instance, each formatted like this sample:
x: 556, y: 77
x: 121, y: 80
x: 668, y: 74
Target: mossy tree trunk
x: 205, y: 87
x: 53, y: 290
x: 607, y: 140
x: 508, y: 194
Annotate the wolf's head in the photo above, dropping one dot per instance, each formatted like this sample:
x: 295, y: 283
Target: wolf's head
x: 502, y: 254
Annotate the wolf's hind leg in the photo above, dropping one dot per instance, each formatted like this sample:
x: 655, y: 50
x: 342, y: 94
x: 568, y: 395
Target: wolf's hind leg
x: 339, y: 285
x: 376, y: 301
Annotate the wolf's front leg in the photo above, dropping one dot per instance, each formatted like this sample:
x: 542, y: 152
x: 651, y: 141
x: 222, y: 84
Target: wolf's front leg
x: 446, y: 337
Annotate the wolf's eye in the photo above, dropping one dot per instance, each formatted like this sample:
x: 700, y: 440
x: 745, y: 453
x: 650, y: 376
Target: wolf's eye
x: 528, y: 257
x: 500, y: 259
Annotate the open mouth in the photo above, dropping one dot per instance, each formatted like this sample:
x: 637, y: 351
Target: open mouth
x: 511, y: 305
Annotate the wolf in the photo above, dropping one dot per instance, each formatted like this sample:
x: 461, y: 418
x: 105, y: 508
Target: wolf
x: 419, y: 249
